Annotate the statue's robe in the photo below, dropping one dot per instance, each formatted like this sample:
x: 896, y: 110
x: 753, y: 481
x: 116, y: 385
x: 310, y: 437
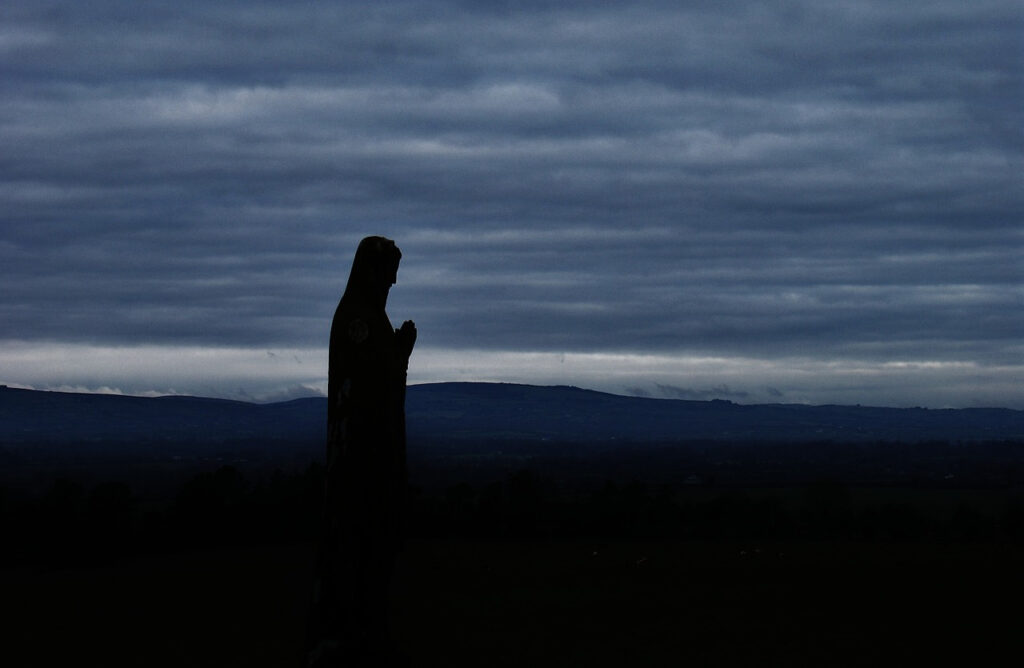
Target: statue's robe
x: 365, y: 474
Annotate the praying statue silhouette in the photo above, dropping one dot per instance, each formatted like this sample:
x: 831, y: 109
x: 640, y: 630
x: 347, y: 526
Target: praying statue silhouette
x: 366, y: 472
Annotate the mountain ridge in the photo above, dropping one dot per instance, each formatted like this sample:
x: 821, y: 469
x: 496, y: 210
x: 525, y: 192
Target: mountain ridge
x: 462, y: 411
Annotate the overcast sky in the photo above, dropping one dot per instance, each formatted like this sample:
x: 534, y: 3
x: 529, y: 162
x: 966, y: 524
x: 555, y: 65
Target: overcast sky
x: 785, y: 201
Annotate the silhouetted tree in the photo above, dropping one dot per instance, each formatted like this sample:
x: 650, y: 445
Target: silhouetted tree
x: 111, y: 517
x: 207, y: 506
x: 59, y: 524
x: 827, y: 509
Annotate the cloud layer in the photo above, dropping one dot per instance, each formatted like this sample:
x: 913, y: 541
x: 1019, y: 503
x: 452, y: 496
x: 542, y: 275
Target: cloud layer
x: 758, y: 182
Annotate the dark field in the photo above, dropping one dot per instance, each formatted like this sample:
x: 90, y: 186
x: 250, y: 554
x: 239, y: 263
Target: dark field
x: 544, y: 603
x: 697, y: 555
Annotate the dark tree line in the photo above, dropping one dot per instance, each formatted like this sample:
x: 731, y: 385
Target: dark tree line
x: 72, y: 523
x: 526, y: 505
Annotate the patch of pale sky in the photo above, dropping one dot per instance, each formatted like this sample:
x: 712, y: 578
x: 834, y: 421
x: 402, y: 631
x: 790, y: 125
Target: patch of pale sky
x: 266, y: 374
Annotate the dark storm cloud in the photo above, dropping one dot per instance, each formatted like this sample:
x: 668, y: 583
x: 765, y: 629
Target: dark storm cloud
x: 739, y: 178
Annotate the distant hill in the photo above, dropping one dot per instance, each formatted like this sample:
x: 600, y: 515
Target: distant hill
x: 499, y: 410
x: 28, y: 416
x: 464, y: 412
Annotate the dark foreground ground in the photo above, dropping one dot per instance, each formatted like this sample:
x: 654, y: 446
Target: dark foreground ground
x: 493, y: 603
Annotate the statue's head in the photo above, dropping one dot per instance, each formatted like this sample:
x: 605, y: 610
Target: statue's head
x: 374, y: 269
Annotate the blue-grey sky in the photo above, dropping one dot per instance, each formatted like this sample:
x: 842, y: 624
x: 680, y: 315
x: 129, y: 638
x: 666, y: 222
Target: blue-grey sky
x: 788, y: 201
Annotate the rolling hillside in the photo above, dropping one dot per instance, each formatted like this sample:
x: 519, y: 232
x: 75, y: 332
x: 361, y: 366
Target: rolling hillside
x: 486, y: 411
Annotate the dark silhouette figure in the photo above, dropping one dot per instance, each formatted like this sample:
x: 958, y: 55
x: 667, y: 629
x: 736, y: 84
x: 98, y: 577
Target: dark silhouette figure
x: 366, y: 473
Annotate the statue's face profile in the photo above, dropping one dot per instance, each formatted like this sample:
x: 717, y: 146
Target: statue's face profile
x: 389, y: 270
x: 385, y: 266
x: 375, y: 268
